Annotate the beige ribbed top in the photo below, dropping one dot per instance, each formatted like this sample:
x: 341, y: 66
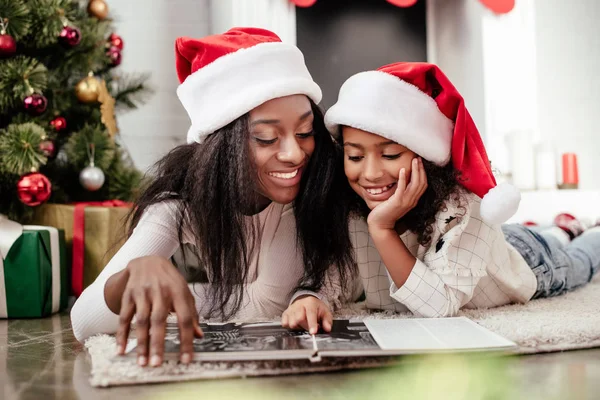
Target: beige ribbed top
x: 273, y: 276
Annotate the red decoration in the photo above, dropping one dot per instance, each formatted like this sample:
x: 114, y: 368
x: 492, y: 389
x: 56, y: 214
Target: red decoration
x: 570, y: 172
x: 499, y: 6
x: 403, y: 3
x: 34, y: 189
x: 115, y: 55
x: 568, y: 223
x: 35, y: 104
x: 116, y: 41
x: 47, y: 147
x: 70, y: 36
x: 8, y: 45
x: 79, y: 239
x: 304, y: 3
x: 59, y: 124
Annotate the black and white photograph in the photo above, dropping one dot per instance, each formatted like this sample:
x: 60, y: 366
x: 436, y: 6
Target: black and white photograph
x: 273, y: 338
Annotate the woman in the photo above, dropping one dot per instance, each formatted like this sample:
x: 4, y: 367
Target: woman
x: 245, y: 193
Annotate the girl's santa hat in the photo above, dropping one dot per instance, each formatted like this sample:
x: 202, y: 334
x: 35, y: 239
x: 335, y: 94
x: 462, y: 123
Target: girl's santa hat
x: 225, y: 76
x: 416, y: 105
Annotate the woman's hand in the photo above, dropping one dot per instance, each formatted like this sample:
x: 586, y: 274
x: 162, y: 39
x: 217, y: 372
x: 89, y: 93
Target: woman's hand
x: 306, y: 313
x: 150, y: 288
x: 405, y: 198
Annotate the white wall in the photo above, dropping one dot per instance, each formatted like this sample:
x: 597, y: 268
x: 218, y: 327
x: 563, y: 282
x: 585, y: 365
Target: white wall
x: 454, y: 41
x: 149, y: 29
x: 532, y: 73
x: 568, y: 81
x: 490, y: 60
x: 278, y: 16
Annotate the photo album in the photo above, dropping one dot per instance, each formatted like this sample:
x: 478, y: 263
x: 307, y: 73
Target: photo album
x: 348, y: 338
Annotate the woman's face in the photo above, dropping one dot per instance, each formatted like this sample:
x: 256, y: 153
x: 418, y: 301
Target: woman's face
x: 372, y: 164
x: 282, y: 141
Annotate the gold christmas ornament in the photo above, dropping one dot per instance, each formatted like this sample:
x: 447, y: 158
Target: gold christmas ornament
x: 107, y: 109
x: 98, y: 9
x: 88, y: 89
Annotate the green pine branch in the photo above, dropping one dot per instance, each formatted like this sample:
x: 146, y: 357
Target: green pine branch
x: 130, y: 91
x: 18, y: 77
x: 79, y: 152
x: 17, y: 14
x: 48, y: 17
x: 123, y: 179
x: 20, y: 149
x: 88, y: 55
x: 9, y: 204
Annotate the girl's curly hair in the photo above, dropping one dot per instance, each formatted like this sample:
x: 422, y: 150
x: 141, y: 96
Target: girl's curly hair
x: 442, y: 185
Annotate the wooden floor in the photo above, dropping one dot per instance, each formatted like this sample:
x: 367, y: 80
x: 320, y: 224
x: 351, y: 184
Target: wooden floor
x: 40, y: 359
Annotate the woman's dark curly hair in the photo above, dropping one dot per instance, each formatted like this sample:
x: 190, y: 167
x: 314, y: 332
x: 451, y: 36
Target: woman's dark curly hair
x: 215, y: 185
x: 442, y: 185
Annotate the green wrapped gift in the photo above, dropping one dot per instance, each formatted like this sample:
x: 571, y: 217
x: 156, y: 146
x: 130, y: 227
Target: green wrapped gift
x: 33, y: 270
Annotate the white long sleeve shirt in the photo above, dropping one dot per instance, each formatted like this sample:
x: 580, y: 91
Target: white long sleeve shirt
x: 468, y: 263
x: 274, y: 272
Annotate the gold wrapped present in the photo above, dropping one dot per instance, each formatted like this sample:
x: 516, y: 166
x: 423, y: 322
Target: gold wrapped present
x: 94, y: 232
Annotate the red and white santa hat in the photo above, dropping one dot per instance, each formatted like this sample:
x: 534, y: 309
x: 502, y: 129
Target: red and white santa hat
x: 416, y: 105
x: 225, y: 76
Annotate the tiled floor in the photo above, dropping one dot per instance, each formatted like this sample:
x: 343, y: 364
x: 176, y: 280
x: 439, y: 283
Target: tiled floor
x: 40, y: 359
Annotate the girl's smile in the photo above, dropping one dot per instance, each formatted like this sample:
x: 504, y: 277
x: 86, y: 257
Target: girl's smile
x: 379, y: 193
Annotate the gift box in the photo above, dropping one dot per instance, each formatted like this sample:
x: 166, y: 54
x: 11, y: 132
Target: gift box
x: 34, y: 278
x: 94, y: 232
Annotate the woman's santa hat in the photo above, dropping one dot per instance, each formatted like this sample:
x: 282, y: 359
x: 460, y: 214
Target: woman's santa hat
x: 416, y: 105
x: 225, y: 76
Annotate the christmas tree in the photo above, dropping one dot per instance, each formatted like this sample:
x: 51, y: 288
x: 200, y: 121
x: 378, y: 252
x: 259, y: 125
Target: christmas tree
x: 59, y: 91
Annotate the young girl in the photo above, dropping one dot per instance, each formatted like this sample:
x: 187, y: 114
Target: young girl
x: 430, y: 239
x: 244, y: 194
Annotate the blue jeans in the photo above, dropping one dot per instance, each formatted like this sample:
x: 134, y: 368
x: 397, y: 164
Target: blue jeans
x: 558, y: 268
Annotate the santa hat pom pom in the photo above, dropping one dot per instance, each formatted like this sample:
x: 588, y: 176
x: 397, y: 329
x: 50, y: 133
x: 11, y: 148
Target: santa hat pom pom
x: 500, y: 203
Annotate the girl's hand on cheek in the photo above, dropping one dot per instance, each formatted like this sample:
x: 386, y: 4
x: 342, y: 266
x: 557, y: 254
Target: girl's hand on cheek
x: 405, y: 198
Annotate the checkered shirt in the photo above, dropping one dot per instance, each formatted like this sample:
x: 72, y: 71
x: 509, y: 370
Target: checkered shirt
x: 468, y: 263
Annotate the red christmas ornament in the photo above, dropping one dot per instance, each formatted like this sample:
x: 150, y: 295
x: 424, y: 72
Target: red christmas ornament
x: 69, y: 36
x: 33, y: 189
x: 403, y: 3
x: 47, y: 147
x: 304, y: 3
x: 116, y: 41
x: 35, y: 104
x: 8, y: 45
x: 115, y: 55
x: 499, y: 6
x: 59, y: 124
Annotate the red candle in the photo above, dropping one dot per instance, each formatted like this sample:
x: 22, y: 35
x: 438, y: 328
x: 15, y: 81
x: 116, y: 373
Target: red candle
x: 570, y: 172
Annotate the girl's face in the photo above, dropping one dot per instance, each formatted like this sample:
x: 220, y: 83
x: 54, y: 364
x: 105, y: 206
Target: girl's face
x: 282, y: 141
x: 372, y: 164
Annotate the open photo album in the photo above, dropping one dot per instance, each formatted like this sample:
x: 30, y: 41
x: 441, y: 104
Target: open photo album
x: 348, y: 338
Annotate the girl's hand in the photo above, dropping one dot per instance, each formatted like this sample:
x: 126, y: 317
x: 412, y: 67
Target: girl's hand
x: 306, y: 313
x: 151, y: 288
x: 404, y: 199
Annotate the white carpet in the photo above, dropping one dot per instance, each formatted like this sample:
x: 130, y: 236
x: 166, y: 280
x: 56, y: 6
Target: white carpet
x: 562, y: 323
